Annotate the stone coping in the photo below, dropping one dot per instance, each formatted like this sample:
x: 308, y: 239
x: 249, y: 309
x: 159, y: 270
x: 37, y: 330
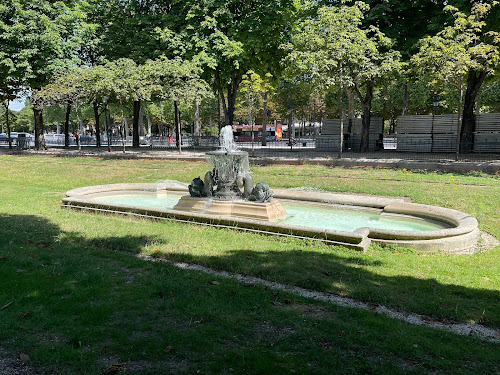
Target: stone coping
x: 462, y: 234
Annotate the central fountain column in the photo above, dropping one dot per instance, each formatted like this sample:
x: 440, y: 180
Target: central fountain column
x: 230, y: 174
x: 228, y: 166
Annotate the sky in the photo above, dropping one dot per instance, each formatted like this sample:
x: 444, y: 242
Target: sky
x: 16, y: 105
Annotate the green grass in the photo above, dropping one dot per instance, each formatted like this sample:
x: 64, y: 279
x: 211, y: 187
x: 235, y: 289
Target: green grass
x: 82, y: 299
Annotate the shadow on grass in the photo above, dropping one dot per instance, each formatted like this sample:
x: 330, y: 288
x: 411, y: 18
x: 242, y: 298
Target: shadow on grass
x: 353, y: 276
x: 21, y: 231
x: 348, y: 276
x: 76, y: 306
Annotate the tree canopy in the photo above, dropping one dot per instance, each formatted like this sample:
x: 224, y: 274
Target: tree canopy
x: 333, y: 48
x: 160, y: 51
x: 462, y: 55
x: 230, y: 38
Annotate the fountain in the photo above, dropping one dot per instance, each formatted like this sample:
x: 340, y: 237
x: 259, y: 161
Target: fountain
x: 228, y: 189
x: 226, y: 197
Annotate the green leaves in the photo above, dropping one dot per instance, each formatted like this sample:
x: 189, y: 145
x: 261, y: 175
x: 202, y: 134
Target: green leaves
x: 450, y: 54
x: 229, y: 38
x: 124, y: 81
x: 254, y: 88
x: 38, y: 40
x: 332, y: 46
x: 175, y: 79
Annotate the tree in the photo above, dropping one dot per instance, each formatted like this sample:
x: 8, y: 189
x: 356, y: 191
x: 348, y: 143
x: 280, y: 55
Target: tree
x: 76, y: 85
x: 127, y: 28
x: 67, y: 89
x: 333, y: 49
x: 25, y: 121
x: 123, y: 81
x: 461, y: 55
x: 488, y: 97
x: 7, y: 117
x: 14, y: 67
x: 176, y: 80
x: 127, y: 31
x: 45, y: 36
x: 255, y: 91
x: 485, y: 54
x: 230, y: 38
x: 251, y: 90
x: 406, y: 22
x: 292, y: 97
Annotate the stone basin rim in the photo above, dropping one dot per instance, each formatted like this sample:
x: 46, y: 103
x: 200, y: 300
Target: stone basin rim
x: 462, y: 235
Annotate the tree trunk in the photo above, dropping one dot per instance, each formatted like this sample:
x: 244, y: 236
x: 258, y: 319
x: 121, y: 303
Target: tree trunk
x: 135, y: 123
x: 177, y: 124
x: 264, y: 122
x: 150, y: 126
x: 341, y: 117
x: 122, y: 123
x: 365, y: 129
x: 39, y: 138
x: 221, y: 99
x: 232, y: 90
x: 66, y: 126
x: 367, y: 108
x: 459, y: 122
x: 314, y: 117
x: 197, y: 127
x: 219, y: 122
x: 9, y: 139
x: 405, y: 100
x: 97, y: 125
x: 350, y: 109
x: 231, y: 101
x: 392, y: 126
x: 7, y: 122
x: 474, y: 81
x: 125, y: 125
x: 142, y: 131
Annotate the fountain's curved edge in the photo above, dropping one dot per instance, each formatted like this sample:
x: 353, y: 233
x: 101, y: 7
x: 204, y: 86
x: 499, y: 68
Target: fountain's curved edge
x: 461, y: 237
x: 144, y: 186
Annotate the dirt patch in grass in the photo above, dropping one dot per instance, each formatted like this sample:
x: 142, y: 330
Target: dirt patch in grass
x: 487, y: 241
x: 270, y: 332
x: 129, y: 274
x: 112, y: 365
x: 310, y: 310
x: 16, y: 364
x: 267, y: 327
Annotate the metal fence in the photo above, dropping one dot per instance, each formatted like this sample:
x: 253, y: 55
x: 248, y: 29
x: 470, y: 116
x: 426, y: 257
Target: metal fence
x: 306, y: 148
x: 18, y: 143
x: 303, y: 148
x: 417, y: 151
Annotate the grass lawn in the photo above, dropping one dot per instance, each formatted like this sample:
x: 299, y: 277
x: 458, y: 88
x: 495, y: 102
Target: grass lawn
x: 75, y: 297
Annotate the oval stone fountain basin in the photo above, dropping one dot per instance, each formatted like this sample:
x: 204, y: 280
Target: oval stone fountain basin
x: 338, y: 219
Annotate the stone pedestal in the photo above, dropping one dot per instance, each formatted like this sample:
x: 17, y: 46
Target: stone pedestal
x: 267, y: 211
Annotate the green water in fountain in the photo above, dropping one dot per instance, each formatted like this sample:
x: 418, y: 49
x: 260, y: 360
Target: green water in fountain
x: 143, y: 200
x: 300, y: 213
x: 349, y: 219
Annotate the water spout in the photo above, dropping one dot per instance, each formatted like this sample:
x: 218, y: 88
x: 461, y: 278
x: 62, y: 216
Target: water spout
x: 226, y: 139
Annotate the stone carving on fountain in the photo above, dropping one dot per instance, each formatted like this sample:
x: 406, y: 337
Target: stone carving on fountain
x: 261, y: 193
x: 197, y: 188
